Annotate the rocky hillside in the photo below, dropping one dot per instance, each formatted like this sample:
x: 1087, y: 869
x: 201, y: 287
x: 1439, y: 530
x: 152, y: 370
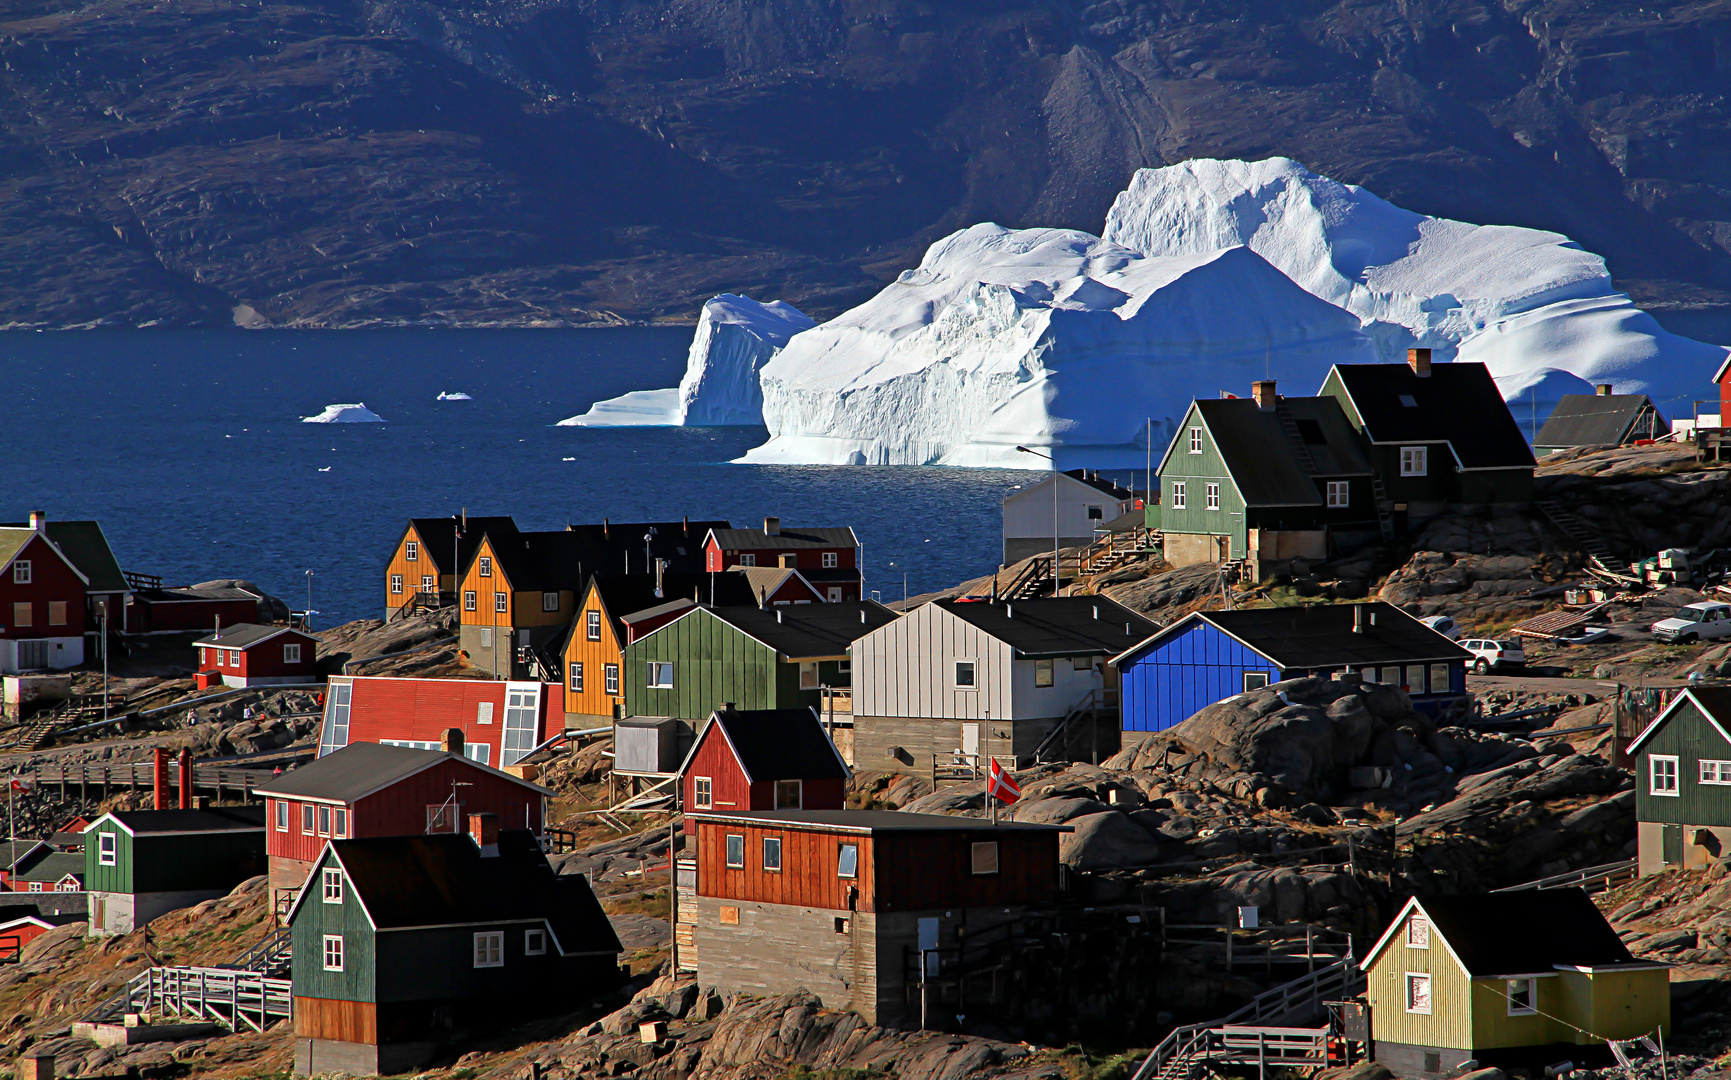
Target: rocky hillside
x: 561, y: 162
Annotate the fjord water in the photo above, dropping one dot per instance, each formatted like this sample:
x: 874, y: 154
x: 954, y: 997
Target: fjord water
x: 188, y: 447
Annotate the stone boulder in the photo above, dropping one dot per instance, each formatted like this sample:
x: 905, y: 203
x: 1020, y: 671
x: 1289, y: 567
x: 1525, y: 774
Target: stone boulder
x: 1107, y: 841
x: 270, y: 609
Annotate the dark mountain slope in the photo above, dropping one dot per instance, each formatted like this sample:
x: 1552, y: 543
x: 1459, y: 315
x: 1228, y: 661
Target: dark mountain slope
x: 513, y: 162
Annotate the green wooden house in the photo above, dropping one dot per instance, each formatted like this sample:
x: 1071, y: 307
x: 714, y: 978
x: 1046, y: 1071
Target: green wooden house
x: 1683, y: 782
x: 755, y: 658
x: 1264, y: 479
x: 404, y: 945
x: 1438, y: 436
x: 139, y: 864
x: 1515, y: 979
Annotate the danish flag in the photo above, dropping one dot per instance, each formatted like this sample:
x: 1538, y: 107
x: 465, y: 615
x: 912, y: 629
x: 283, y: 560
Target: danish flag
x: 1001, y: 785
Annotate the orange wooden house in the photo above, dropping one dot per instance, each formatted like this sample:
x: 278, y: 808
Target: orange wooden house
x: 430, y: 554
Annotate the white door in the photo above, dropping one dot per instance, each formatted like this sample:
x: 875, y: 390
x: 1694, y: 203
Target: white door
x: 971, y: 739
x: 929, y: 945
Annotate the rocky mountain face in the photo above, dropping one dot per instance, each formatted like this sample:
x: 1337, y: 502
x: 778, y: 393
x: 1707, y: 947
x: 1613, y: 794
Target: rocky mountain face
x: 561, y: 162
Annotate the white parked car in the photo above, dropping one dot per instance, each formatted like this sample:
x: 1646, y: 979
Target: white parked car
x: 1443, y: 625
x: 1489, y: 654
x: 1708, y: 619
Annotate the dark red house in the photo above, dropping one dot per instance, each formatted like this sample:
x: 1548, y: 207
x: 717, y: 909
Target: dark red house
x: 500, y: 721
x: 763, y: 759
x: 43, y: 613
x: 17, y: 933
x: 248, y: 654
x: 828, y: 558
x: 165, y: 611
x: 368, y: 789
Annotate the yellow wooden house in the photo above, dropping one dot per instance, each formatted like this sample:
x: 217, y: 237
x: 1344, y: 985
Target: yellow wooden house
x: 1526, y: 979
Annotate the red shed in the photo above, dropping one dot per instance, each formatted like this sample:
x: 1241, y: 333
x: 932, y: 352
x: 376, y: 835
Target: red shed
x: 763, y: 759
x: 828, y: 558
x: 501, y: 722
x: 369, y: 789
x: 248, y: 654
x: 162, y: 611
x: 17, y: 933
x: 42, y: 602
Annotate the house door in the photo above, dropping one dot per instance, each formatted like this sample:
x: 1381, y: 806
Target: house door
x: 929, y: 947
x: 971, y: 740
x: 1671, y: 845
x: 1223, y: 545
x: 32, y: 655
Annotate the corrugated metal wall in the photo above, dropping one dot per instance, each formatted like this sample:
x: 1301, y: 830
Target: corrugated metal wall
x: 1187, y: 672
x: 907, y: 668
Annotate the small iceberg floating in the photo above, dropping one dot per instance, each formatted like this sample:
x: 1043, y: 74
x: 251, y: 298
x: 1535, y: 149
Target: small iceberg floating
x: 354, y: 413
x: 455, y: 395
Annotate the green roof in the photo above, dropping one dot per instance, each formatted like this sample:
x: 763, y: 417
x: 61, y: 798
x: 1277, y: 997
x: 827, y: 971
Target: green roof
x: 83, y: 545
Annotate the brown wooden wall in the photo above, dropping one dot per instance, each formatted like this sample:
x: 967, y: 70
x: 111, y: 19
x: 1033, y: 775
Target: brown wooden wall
x: 714, y: 759
x: 920, y: 870
x: 413, y: 571
x: 808, y: 875
x: 344, y: 1021
x: 594, y: 656
x: 484, y: 588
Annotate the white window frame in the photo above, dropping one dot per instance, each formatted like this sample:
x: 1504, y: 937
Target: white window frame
x: 835, y: 594
x: 291, y: 654
x: 332, y: 885
x: 107, y: 849
x: 501, y: 603
x: 841, y: 863
x: 1532, y: 1006
x: 1178, y: 495
x: 592, y: 626
x: 1414, y: 979
x: 1195, y: 440
x: 1658, y: 773
x: 574, y: 676
x: 973, y: 682
x: 1047, y: 670
x: 1418, y: 932
x: 307, y: 819
x: 340, y: 822
x: 771, y: 843
x: 1415, y: 461
x: 489, y: 948
x: 282, y: 815
x: 831, y: 560
x: 1715, y: 772
x: 610, y: 679
x: 486, y: 637
x: 411, y: 551
x: 483, y: 712
x: 658, y: 671
x: 427, y: 585
x: 486, y: 566
x: 21, y: 572
x: 1211, y: 496
x: 333, y: 957
x: 549, y: 601
x: 1414, y: 686
x: 535, y: 942
x: 1339, y: 494
x: 748, y: 560
x: 732, y: 843
x: 703, y: 792
x: 324, y: 821
x: 397, y: 584
x: 1441, y: 679
x: 1255, y: 680
x: 468, y: 599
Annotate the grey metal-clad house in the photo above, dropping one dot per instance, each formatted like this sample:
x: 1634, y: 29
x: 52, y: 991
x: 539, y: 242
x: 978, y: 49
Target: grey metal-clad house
x: 1683, y: 782
x: 1600, y: 419
x: 1085, y: 502
x: 955, y: 683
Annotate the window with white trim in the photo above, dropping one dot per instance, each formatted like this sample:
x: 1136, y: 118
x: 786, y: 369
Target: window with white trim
x: 1339, y: 493
x: 735, y: 856
x: 1177, y: 494
x: 1523, y: 997
x: 534, y: 943
x: 333, y: 885
x: 748, y: 560
x: 1414, y: 679
x: 324, y: 821
x: 1195, y: 440
x: 847, y: 861
x: 490, y: 948
x: 1414, y: 460
x: 21, y: 572
x: 1440, y: 681
x: 340, y: 827
x: 965, y: 675
x: 1045, y: 673
x: 56, y: 613
x: 486, y: 566
x: 610, y: 679
x: 1716, y: 772
x: 1662, y: 774
x: 703, y: 792
x: 1418, y: 932
x: 483, y: 712
x: 22, y: 613
x: 834, y: 594
x: 500, y: 602
x: 107, y: 849
x: 1212, y: 495
x: 291, y: 654
x: 831, y: 560
x: 333, y: 952
x: 772, y: 853
x: 659, y: 675
x: 575, y: 673
x: 396, y: 583
x: 468, y: 599
x: 592, y: 626
x: 1417, y: 992
x: 1255, y: 680
x: 307, y: 819
x: 411, y: 552
x: 282, y: 813
x: 427, y: 583
x: 549, y: 601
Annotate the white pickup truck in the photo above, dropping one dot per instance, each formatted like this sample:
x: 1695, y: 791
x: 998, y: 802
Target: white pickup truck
x: 1695, y: 622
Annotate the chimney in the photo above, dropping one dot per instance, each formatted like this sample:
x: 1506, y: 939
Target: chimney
x: 451, y: 740
x: 1419, y: 361
x: 1262, y: 392
x: 1602, y: 390
x: 159, y: 778
x: 202, y: 802
x: 39, y: 520
x: 660, y: 565
x: 484, y: 831
x: 186, y: 778
x: 778, y: 615
x: 772, y: 526
x: 1358, y: 618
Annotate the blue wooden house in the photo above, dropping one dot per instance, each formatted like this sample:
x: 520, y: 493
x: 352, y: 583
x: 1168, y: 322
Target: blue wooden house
x: 1209, y: 656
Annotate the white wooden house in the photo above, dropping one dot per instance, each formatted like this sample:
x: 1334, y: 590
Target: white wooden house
x: 1087, y: 502
x: 955, y: 683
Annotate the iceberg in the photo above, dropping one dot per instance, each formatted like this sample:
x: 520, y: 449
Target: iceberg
x: 735, y: 337
x: 1525, y: 302
x: 355, y: 413
x: 454, y: 395
x: 1044, y: 337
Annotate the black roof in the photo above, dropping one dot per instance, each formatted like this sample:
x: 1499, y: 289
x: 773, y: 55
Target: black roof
x: 778, y: 744
x: 748, y: 539
x: 873, y: 821
x: 808, y: 630
x: 1056, y: 626
x: 54, y: 867
x: 630, y: 594
x: 1321, y: 635
x: 569, y: 557
x: 1267, y: 463
x: 216, y: 819
x: 188, y: 595
x: 443, y: 880
x: 361, y: 768
x: 1597, y: 420
x: 1526, y: 932
x: 1099, y: 483
x: 17, y: 852
x: 244, y: 635
x: 438, y: 536
x: 1457, y: 403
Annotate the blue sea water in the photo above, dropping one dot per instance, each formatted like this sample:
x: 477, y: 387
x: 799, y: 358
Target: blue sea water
x: 188, y: 447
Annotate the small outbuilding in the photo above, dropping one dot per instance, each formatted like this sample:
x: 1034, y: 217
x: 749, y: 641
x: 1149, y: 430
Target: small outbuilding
x: 51, y: 871
x: 1512, y: 979
x: 1600, y: 419
x: 764, y: 759
x: 139, y: 864
x: 248, y: 654
x: 1683, y: 782
x: 406, y: 944
x: 19, y: 932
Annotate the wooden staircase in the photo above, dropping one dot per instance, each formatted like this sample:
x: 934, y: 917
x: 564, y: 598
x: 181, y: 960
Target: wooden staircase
x: 1034, y: 580
x: 1599, y: 556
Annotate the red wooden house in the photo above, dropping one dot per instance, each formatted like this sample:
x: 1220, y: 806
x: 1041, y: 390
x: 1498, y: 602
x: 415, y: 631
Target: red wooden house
x: 852, y: 904
x: 248, y: 654
x: 763, y: 759
x: 828, y: 558
x: 500, y: 721
x: 15, y: 857
x: 43, y: 611
x: 178, y: 610
x: 17, y: 933
x: 366, y: 789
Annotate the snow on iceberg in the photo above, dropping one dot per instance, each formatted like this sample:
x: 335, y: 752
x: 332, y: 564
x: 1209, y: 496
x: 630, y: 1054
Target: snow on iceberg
x: 1523, y: 301
x: 735, y: 337
x: 454, y: 395
x: 1045, y: 337
x: 355, y: 413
